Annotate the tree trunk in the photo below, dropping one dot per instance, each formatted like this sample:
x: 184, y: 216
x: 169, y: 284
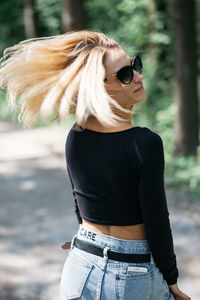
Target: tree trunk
x: 162, y: 8
x: 29, y: 20
x: 72, y: 15
x: 186, y: 123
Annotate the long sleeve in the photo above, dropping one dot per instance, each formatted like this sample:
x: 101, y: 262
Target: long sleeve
x: 153, y: 204
x: 76, y: 205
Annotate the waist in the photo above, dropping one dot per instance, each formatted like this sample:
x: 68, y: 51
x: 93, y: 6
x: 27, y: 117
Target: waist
x: 131, y: 232
x: 115, y: 244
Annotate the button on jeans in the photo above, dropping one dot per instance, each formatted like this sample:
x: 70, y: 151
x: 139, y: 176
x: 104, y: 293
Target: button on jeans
x: 91, y: 277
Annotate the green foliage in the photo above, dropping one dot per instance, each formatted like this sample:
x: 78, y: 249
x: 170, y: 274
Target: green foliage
x: 125, y: 21
x: 141, y: 27
x: 47, y: 20
x: 6, y: 113
x: 48, y: 17
x: 12, y: 23
x: 184, y: 173
x: 180, y: 171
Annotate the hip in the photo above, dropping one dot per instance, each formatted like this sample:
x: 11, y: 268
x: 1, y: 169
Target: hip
x: 89, y: 276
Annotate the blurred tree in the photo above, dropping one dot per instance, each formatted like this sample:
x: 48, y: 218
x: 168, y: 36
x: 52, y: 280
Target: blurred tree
x: 72, y: 15
x: 187, y: 119
x: 29, y: 18
x: 12, y: 23
x: 141, y: 27
x: 48, y: 17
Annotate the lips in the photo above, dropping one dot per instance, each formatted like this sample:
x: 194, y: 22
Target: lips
x: 141, y: 87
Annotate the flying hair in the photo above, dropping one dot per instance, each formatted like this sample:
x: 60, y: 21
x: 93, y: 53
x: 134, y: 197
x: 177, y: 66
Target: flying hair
x: 57, y: 76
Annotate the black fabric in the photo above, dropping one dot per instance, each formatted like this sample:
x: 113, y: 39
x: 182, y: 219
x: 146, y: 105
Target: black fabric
x: 125, y: 257
x: 118, y: 179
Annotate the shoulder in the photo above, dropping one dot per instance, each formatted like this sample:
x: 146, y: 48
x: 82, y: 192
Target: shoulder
x: 150, y: 142
x: 149, y: 136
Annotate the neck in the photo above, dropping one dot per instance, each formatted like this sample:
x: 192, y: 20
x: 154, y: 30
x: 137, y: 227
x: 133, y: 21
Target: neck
x: 127, y: 116
x: 92, y: 122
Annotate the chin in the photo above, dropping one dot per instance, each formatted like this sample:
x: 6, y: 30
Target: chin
x: 142, y: 98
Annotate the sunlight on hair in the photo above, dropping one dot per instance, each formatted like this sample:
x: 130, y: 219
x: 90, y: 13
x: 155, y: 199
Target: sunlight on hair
x: 57, y: 76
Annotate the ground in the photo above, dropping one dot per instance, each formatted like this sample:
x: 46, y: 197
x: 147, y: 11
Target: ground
x: 37, y: 216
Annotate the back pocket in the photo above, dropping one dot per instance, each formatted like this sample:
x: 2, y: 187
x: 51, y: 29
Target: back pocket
x: 74, y: 275
x: 137, y: 270
x: 135, y: 283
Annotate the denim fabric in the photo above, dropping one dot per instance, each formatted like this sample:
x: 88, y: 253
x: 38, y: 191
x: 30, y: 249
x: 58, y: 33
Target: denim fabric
x: 91, y: 277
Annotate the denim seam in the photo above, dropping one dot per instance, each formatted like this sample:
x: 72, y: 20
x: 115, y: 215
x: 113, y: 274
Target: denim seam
x: 99, y: 284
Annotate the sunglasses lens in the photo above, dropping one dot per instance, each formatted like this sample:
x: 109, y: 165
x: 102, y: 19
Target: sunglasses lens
x: 125, y: 75
x: 137, y: 64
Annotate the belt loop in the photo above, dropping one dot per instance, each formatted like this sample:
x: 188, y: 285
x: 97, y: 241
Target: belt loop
x: 105, y: 253
x: 152, y: 263
x: 105, y: 257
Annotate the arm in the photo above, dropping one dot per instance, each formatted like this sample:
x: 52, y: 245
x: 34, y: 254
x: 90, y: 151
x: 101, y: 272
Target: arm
x: 76, y: 205
x: 153, y: 204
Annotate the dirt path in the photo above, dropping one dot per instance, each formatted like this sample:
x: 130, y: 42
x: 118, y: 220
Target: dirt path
x: 37, y: 216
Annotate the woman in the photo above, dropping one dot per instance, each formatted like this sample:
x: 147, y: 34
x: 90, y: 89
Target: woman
x: 123, y: 248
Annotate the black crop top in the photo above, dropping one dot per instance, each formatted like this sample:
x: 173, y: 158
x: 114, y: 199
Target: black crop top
x: 117, y: 178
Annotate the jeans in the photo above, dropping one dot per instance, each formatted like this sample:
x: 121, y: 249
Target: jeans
x: 91, y: 277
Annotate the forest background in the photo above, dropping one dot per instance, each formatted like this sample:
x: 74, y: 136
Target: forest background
x: 165, y: 33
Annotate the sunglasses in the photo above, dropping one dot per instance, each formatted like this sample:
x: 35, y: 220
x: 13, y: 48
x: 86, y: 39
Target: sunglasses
x: 126, y: 74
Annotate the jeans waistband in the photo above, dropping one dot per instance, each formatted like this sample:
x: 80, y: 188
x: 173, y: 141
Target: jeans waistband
x: 114, y: 244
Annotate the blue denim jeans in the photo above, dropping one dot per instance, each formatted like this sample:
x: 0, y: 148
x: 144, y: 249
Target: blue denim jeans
x: 91, y: 277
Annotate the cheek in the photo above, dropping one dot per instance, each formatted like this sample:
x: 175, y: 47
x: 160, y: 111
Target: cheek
x: 114, y: 89
x: 128, y: 91
x: 120, y: 92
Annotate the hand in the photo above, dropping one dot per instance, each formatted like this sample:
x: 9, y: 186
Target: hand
x: 178, y: 295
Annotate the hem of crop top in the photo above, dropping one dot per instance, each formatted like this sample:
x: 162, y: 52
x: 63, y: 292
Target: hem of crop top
x: 108, y: 132
x: 115, y: 223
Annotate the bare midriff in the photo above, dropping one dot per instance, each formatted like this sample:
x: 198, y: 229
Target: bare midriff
x: 131, y: 232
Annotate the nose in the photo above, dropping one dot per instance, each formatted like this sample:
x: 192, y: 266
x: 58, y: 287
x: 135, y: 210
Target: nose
x: 138, y: 77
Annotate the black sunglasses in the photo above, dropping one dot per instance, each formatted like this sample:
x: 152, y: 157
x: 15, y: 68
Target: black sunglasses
x: 126, y: 74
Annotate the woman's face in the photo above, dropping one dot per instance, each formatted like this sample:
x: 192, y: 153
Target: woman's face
x: 124, y: 94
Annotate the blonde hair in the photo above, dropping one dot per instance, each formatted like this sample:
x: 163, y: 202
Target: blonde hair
x: 59, y: 75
